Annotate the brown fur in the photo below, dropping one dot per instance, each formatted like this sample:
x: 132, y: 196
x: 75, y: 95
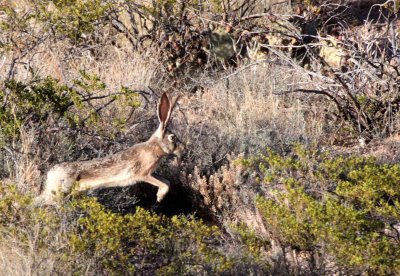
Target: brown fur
x: 135, y: 164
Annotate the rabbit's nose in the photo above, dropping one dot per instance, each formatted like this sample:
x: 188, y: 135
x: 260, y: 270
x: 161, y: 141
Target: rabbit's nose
x: 178, y: 153
x: 180, y: 148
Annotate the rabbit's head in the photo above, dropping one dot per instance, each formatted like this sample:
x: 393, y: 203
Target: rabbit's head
x: 172, y: 145
x: 168, y: 141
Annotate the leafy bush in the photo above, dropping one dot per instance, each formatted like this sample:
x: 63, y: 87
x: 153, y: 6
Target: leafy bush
x: 22, y: 102
x: 146, y: 242
x: 83, y: 234
x: 74, y: 19
x: 341, y: 209
x: 37, y: 101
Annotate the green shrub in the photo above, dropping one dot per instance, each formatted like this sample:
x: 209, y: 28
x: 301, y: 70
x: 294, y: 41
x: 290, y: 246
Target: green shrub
x: 254, y: 245
x: 334, y: 206
x: 35, y: 102
x: 145, y: 241
x: 83, y: 234
x: 74, y: 19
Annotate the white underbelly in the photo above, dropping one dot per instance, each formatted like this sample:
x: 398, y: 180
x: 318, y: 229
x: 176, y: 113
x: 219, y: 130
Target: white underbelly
x: 124, y: 178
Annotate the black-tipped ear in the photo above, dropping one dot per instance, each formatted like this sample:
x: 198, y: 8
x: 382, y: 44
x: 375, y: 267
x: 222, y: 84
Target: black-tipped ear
x: 164, y: 110
x: 174, y: 102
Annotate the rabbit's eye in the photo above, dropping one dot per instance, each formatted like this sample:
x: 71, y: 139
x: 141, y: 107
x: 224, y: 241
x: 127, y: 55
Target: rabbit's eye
x: 171, y: 138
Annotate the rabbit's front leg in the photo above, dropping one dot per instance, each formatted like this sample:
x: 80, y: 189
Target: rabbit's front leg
x: 161, y: 183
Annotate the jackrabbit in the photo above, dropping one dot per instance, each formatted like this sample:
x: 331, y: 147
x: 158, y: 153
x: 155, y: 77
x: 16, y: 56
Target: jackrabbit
x: 127, y: 167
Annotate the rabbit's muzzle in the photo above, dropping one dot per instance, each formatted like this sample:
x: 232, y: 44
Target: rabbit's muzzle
x: 172, y: 145
x: 178, y: 152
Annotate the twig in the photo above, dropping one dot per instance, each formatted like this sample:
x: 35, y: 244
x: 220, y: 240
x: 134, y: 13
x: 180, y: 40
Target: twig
x: 243, y: 68
x: 312, y: 91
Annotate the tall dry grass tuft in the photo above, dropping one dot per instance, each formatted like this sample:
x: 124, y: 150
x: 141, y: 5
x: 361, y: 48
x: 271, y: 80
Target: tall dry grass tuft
x: 115, y: 66
x: 23, y: 257
x: 23, y: 161
x: 244, y: 113
x: 37, y: 242
x: 14, y: 261
x: 28, y: 162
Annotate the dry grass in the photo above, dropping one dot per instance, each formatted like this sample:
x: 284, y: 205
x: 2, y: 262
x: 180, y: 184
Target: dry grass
x: 13, y: 260
x: 243, y: 114
x: 21, y: 256
x: 240, y: 113
x: 24, y: 168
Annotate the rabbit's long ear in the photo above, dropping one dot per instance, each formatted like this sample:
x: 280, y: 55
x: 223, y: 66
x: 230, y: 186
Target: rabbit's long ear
x: 173, y: 102
x: 164, y: 111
